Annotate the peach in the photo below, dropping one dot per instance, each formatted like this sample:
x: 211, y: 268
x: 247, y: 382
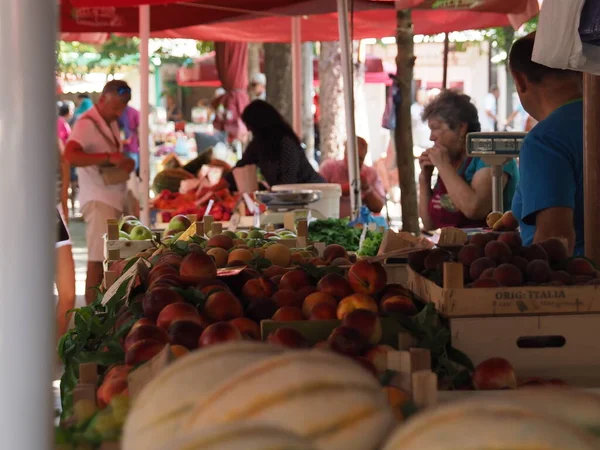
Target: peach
x: 298, y: 259
x: 178, y: 351
x: 220, y: 256
x: 170, y: 258
x: 508, y: 222
x: 335, y: 285
x: 379, y: 357
x: 582, y: 280
x: 562, y: 277
x: 157, y: 299
x: 220, y: 240
x: 494, y: 373
x: 348, y: 341
x: 416, y: 260
x: 334, y: 251
x: 356, y: 301
x: 513, y: 240
x: 219, y: 332
x: 520, y: 262
x: 314, y: 299
x: 288, y: 337
x: 508, y: 275
x: 274, y: 270
x: 367, y: 323
x: 197, y: 267
x: 556, y: 249
x: 581, y: 267
x: 538, y: 271
x: 258, y: 288
x: 276, y: 279
x: 248, y: 328
x: 485, y: 283
x: 316, y: 261
x: 533, y: 252
x: 241, y: 255
x: 436, y: 258
x: 469, y: 253
x: 295, y: 280
x: 167, y: 280
x: 143, y: 351
x: 258, y: 252
x: 341, y: 262
x: 185, y: 333
x: 109, y: 389
x: 399, y: 304
x: 479, y: 266
x: 178, y: 311
x: 367, y: 278
x: 142, y: 321
x: 210, y: 289
x: 278, y: 254
x: 223, y: 306
x: 392, y: 290
x: 145, y: 332
x: 161, y: 270
x: 323, y: 311
x: 492, y: 218
x: 117, y: 371
x: 288, y: 314
x: 306, y: 291
x: 287, y: 297
x: 500, y: 252
x: 261, y: 310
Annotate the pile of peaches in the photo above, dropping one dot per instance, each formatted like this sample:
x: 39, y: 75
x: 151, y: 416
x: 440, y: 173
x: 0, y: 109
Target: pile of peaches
x: 500, y: 260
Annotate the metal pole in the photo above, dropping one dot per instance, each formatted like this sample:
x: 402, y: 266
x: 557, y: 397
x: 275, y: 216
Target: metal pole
x: 347, y: 75
x: 497, y: 189
x: 144, y: 115
x: 28, y: 154
x: 446, y: 51
x: 591, y: 165
x: 297, y: 74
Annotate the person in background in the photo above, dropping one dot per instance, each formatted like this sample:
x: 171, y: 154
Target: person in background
x: 65, y: 114
x: 85, y: 104
x: 549, y: 198
x: 274, y: 148
x: 95, y: 143
x: 372, y: 192
x: 489, y: 121
x: 129, y: 123
x: 462, y: 196
x: 258, y: 87
x: 420, y: 130
x: 174, y: 113
x: 65, y: 266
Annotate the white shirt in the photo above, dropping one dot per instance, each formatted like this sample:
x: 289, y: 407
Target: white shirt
x: 92, y: 140
x: 490, y: 104
x: 420, y: 129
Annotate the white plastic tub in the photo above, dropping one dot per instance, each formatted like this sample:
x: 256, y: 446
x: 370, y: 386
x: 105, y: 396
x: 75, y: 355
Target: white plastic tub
x: 328, y: 206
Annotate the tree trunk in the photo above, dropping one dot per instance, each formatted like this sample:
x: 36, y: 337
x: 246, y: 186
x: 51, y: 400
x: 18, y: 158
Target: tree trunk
x: 308, y: 128
x: 254, y: 50
x: 403, y: 133
x: 331, y: 94
x: 278, y: 69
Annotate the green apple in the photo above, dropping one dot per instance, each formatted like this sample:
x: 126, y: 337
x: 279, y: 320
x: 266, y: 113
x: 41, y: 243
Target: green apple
x: 123, y: 236
x: 124, y: 219
x: 130, y: 225
x: 140, y: 233
x: 179, y: 223
x: 231, y: 234
x: 255, y: 234
x: 241, y: 235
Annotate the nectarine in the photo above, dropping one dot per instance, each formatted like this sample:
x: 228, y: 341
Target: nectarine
x: 248, y: 328
x: 366, y: 322
x: 494, y: 373
x: 219, y: 332
x: 288, y: 314
x: 258, y: 288
x: 220, y: 240
x: 222, y: 306
x: 197, y: 267
x: 323, y: 311
x: 143, y: 351
x: 185, y: 333
x: 367, y: 278
x: 353, y: 302
x: 348, y: 341
x: 178, y: 311
x: 287, y: 297
x: 314, y: 299
x: 143, y: 333
x: 295, y: 280
x: 155, y: 301
x: 288, y: 337
x: 335, y: 285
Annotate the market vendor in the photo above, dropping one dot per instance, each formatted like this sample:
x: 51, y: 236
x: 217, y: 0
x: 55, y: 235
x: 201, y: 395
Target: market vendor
x: 372, y: 192
x: 462, y: 195
x: 274, y: 148
x: 549, y: 198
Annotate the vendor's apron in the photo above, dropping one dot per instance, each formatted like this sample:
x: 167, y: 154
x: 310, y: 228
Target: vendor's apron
x: 442, y: 211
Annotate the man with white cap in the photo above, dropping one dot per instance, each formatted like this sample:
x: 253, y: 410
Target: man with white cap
x: 258, y: 87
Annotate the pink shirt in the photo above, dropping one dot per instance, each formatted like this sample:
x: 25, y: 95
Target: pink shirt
x: 337, y: 172
x: 63, y: 130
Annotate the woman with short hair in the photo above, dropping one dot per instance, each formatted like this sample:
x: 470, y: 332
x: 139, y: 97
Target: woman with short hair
x: 462, y: 195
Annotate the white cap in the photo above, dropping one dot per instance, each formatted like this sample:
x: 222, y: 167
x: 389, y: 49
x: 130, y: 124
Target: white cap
x: 259, y: 78
x: 220, y: 92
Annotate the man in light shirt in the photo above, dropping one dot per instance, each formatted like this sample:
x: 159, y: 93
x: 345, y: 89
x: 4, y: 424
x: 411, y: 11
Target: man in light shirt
x: 94, y: 144
x: 489, y: 119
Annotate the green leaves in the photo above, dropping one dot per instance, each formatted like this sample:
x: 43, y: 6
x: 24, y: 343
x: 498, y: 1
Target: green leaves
x: 337, y: 231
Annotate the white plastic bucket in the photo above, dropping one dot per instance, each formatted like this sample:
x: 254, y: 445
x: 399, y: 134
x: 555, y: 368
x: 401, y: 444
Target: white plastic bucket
x: 328, y: 206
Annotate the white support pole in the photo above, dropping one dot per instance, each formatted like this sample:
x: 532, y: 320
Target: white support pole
x: 144, y: 115
x: 297, y: 74
x: 29, y: 159
x: 347, y: 75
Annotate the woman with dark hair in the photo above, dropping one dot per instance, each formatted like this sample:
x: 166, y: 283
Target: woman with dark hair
x: 462, y: 196
x: 274, y: 148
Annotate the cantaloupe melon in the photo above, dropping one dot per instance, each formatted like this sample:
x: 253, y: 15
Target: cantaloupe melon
x: 156, y: 414
x: 240, y: 436
x: 324, y: 397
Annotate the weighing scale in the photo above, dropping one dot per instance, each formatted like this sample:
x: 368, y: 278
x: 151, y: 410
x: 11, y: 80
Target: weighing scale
x: 495, y: 149
x: 281, y: 203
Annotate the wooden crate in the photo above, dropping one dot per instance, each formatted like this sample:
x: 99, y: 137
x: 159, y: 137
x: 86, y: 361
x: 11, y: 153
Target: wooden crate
x: 114, y: 248
x: 454, y: 300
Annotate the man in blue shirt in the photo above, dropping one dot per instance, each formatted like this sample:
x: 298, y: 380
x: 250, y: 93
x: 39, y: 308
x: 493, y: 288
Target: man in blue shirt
x: 549, y: 198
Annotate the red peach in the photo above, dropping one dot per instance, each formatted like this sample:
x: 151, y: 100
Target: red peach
x: 367, y: 278
x: 142, y: 321
x: 334, y: 251
x: 348, y: 341
x: 110, y: 389
x: 287, y: 297
x: 160, y: 270
x: 295, y: 280
x: 258, y: 288
x: 223, y: 306
x: 143, y: 351
x: 494, y: 373
x: 399, y: 304
x: 273, y: 271
x: 288, y: 337
x: 335, y: 285
x: 392, y: 290
x: 314, y: 299
x: 144, y: 333
x: 261, y: 310
x: 157, y: 299
x: 170, y: 258
x: 248, y: 328
x: 178, y: 311
x: 306, y: 291
x: 356, y: 301
x: 219, y: 332
x: 323, y: 311
x: 220, y: 240
x: 197, y: 267
x: 288, y: 314
x: 185, y: 333
x: 366, y: 322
